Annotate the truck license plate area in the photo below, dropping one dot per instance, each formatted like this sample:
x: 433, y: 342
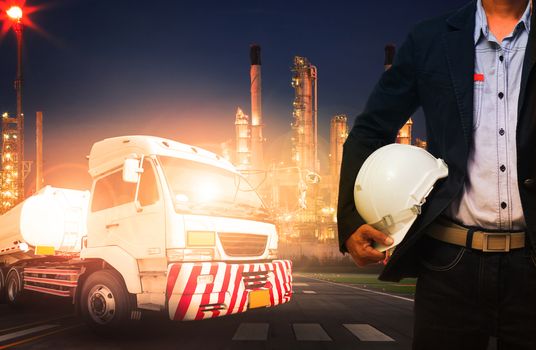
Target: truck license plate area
x: 259, y: 298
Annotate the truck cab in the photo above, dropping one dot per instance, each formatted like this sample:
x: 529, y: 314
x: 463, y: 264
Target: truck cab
x: 183, y: 228
x: 166, y: 227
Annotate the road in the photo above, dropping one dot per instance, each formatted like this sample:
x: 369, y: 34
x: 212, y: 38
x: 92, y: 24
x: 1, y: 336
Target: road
x: 321, y: 315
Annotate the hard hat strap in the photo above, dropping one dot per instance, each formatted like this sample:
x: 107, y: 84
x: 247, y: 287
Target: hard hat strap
x: 391, y: 219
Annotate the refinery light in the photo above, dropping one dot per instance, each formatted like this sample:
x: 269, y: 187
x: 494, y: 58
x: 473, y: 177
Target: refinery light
x: 14, y: 12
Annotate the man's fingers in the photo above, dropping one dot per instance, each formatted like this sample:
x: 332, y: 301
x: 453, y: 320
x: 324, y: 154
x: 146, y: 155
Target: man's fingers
x: 366, y: 254
x: 377, y: 235
x: 371, y: 253
x: 359, y: 244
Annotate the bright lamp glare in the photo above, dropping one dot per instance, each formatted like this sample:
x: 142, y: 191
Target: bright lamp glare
x: 207, y: 191
x: 14, y: 12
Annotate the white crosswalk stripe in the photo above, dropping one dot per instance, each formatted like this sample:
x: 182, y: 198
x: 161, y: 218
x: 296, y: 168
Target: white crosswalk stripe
x: 300, y: 284
x: 366, y: 332
x: 252, y: 331
x: 309, y: 292
x: 310, y: 332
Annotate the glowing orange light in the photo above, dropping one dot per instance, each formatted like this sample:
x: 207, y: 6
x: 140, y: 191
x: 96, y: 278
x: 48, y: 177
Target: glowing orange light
x: 14, y: 12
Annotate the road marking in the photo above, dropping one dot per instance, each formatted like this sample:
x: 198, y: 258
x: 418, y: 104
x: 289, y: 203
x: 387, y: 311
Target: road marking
x: 300, y: 284
x: 252, y: 331
x: 366, y: 332
x: 362, y: 289
x: 28, y: 340
x: 24, y: 332
x: 26, y: 325
x: 310, y: 332
x: 309, y: 292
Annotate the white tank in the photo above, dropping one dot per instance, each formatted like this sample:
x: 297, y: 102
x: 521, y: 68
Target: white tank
x: 53, y: 217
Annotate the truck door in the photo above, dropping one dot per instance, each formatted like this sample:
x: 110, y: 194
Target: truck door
x: 116, y: 219
x: 109, y: 193
x: 139, y: 228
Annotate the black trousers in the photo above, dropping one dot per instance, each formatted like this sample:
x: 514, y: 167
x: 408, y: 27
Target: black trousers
x: 465, y: 296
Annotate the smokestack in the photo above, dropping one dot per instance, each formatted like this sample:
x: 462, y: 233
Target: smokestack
x: 390, y: 51
x: 257, y: 157
x: 39, y: 151
x: 255, y: 54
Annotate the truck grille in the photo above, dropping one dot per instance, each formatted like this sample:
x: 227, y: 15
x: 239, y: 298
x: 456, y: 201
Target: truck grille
x: 243, y: 244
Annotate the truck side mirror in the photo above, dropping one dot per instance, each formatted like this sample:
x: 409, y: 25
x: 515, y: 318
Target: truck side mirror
x: 131, y: 170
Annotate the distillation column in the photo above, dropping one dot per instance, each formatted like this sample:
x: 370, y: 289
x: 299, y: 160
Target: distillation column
x: 338, y: 135
x: 243, y: 140
x: 39, y: 151
x: 304, y: 82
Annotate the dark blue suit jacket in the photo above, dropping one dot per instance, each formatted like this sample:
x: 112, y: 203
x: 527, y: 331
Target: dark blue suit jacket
x: 434, y: 69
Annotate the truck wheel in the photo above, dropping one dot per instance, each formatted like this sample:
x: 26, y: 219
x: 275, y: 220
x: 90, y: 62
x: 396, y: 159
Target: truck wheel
x: 13, y: 288
x: 105, y: 303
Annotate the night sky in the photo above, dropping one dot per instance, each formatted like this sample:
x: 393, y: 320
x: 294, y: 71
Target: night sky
x: 179, y: 69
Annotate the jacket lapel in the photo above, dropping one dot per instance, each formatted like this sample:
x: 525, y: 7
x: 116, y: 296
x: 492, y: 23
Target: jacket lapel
x: 530, y: 59
x: 460, y: 51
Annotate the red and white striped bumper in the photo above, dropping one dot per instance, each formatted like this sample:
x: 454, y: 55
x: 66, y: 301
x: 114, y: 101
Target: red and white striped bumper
x: 196, y: 291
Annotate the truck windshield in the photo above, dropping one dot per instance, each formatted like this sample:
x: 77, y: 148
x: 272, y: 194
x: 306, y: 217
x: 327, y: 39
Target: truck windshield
x: 203, y: 188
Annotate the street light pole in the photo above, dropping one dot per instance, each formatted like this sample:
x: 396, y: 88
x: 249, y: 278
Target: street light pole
x: 20, y: 115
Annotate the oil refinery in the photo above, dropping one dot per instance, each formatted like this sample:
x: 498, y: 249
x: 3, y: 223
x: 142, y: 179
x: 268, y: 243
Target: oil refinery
x: 301, y: 195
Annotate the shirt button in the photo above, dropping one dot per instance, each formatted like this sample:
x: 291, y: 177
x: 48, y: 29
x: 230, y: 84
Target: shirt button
x: 501, y: 58
x: 503, y: 168
x: 529, y: 183
x: 501, y: 132
x: 503, y: 205
x: 501, y: 95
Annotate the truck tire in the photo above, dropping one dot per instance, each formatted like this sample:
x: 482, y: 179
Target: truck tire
x: 2, y: 287
x: 105, y: 303
x: 13, y: 288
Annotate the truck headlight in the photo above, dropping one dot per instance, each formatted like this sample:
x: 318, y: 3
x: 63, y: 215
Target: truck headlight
x: 200, y: 239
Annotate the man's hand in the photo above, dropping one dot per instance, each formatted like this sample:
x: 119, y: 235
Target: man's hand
x: 359, y: 245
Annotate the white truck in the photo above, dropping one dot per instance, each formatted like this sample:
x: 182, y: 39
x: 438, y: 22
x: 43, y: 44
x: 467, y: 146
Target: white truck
x: 166, y: 227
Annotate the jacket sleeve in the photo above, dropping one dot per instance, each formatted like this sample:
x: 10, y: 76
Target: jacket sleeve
x: 393, y: 100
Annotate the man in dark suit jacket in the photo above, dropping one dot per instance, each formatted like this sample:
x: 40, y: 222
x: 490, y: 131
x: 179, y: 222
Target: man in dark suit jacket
x: 462, y: 69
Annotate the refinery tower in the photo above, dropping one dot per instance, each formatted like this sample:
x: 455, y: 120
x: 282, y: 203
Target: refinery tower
x: 305, y: 113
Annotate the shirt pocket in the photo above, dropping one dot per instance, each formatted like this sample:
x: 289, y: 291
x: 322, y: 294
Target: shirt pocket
x: 478, y: 98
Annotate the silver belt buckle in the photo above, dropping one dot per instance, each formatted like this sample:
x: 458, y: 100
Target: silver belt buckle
x: 485, y: 242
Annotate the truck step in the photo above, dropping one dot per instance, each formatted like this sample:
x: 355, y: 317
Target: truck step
x: 152, y: 273
x: 150, y: 307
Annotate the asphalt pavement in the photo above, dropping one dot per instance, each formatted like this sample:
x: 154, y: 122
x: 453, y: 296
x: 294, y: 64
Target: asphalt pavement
x: 321, y: 315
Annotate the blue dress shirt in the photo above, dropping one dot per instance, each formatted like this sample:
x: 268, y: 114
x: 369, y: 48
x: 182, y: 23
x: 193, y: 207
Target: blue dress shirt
x: 490, y: 197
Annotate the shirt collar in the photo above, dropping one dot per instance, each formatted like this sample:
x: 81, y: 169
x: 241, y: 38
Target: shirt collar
x: 481, y: 21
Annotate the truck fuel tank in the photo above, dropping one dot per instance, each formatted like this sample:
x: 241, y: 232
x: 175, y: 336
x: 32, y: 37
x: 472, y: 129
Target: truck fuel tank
x: 53, y: 217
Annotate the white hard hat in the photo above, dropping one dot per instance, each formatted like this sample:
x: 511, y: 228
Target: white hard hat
x: 392, y: 185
